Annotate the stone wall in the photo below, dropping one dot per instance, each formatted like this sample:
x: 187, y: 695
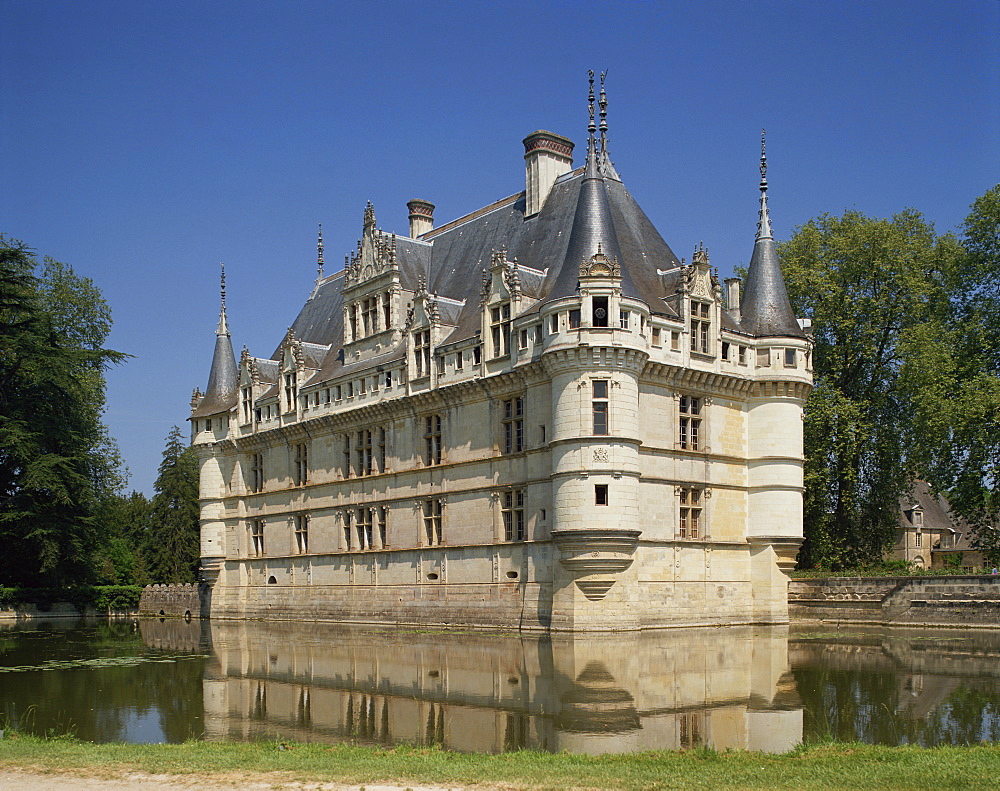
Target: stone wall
x: 178, y: 601
x: 912, y: 601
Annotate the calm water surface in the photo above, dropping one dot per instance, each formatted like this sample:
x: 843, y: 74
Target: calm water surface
x: 750, y: 688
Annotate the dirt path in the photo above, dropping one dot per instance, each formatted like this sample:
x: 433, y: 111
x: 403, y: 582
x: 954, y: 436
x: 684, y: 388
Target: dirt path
x: 77, y: 780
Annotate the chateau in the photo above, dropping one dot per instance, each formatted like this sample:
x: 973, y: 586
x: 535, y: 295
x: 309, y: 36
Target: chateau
x: 533, y: 417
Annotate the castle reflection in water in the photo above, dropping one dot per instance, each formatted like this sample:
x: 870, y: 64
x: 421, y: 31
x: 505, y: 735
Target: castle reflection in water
x: 724, y: 688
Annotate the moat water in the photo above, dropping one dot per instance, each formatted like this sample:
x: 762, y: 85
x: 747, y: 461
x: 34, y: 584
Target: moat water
x: 744, y: 688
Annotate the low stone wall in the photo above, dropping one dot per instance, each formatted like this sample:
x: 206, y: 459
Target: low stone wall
x: 176, y: 600
x: 905, y: 601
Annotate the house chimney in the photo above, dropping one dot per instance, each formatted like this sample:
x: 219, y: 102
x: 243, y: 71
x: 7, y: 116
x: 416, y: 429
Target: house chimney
x: 421, y: 217
x: 546, y: 157
x: 733, y: 296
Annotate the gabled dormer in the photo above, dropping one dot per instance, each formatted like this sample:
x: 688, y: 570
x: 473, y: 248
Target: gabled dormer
x: 298, y: 361
x: 500, y: 303
x: 371, y: 293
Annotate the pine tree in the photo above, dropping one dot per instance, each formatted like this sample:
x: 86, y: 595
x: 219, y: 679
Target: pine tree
x: 56, y: 460
x: 173, y: 548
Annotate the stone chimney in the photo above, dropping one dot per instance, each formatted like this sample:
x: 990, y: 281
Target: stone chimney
x: 546, y: 157
x: 421, y: 217
x: 733, y: 296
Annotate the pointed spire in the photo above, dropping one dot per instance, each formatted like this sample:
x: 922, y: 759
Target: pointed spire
x: 765, y: 310
x: 220, y: 394
x: 593, y: 228
x: 319, y: 254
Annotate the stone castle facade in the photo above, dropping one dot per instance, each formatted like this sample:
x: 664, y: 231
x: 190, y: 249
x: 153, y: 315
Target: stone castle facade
x: 533, y: 417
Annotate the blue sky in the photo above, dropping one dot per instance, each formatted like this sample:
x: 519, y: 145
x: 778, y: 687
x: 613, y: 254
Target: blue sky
x: 143, y: 143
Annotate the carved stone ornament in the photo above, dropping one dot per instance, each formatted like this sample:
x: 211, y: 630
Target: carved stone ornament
x: 599, y: 265
x: 601, y: 454
x: 595, y: 557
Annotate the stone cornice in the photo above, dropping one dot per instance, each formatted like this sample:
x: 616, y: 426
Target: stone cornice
x: 578, y: 358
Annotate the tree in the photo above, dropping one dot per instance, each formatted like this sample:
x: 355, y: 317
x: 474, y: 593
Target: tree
x: 126, y: 522
x: 869, y: 286
x: 953, y: 380
x: 174, y: 543
x: 56, y: 459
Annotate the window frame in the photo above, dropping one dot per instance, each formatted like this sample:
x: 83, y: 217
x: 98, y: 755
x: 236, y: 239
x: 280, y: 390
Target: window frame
x: 512, y: 513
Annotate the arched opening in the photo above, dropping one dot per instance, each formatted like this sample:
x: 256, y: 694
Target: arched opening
x: 271, y: 580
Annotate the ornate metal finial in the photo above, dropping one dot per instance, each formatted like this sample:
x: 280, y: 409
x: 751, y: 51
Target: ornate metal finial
x: 590, y: 105
x: 223, y: 328
x: 319, y: 254
x: 604, y: 110
x: 764, y: 219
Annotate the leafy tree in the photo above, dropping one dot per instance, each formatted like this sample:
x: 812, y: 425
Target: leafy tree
x: 56, y: 459
x: 174, y: 545
x: 869, y: 286
x: 126, y: 519
x: 953, y: 380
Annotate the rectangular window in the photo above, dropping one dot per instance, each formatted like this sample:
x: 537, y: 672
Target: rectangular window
x: 600, y: 494
x: 439, y: 363
x: 326, y: 395
x: 348, y: 533
x: 675, y: 340
x: 432, y: 522
x: 388, y: 379
x: 741, y: 355
x: 700, y: 327
x: 623, y: 319
x: 257, y: 537
x: 522, y: 339
x: 381, y: 450
x: 500, y: 329
x: 302, y: 533
x: 301, y: 464
x: 763, y: 358
x: 350, y: 389
x: 363, y: 453
x: 459, y: 361
x: 364, y: 528
x: 422, y: 352
x: 600, y: 317
x: 363, y: 385
x: 554, y: 323
x: 918, y: 518
x: 347, y: 456
x: 574, y: 319
x: 600, y: 406
x: 353, y: 311
x: 689, y: 524
x: 339, y: 391
x: 477, y: 355
x: 689, y: 424
x: 291, y: 392
x: 369, y: 315
x: 919, y: 539
x: 725, y: 350
x: 247, y: 404
x: 513, y: 515
x: 383, y: 520
x: 387, y: 310
x: 656, y: 340
x: 789, y: 358
x: 513, y: 425
x: 257, y: 472
x: 432, y: 440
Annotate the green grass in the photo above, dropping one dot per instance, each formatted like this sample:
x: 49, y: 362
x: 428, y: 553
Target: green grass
x: 821, y: 766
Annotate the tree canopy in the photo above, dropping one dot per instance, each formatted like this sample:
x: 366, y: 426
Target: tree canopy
x: 174, y: 546
x: 56, y: 459
x: 906, y: 372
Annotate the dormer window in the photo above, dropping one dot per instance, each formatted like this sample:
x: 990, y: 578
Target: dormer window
x: 422, y: 352
x: 500, y: 329
x: 369, y: 315
x: 247, y: 400
x: 918, y: 518
x: 291, y: 392
x: 700, y: 327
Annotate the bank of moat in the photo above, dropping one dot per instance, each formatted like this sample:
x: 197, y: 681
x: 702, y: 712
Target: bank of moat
x: 532, y: 417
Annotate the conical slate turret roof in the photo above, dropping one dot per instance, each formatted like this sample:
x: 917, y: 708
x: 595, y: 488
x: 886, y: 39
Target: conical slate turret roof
x: 220, y: 395
x: 765, y: 310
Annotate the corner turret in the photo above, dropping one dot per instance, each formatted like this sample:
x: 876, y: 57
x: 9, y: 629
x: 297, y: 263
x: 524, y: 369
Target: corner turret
x: 220, y: 394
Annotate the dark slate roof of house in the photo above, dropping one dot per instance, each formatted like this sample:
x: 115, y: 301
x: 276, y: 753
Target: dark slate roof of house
x: 937, y: 512
x: 220, y: 394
